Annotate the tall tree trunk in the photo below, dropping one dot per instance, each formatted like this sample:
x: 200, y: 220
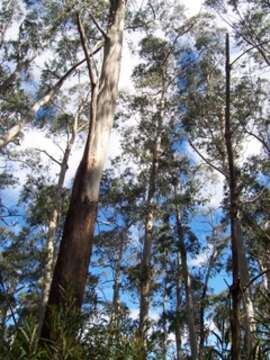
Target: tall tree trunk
x: 203, y: 302
x: 145, y: 272
x: 239, y: 261
x: 113, y: 324
x: 54, y: 222
x: 71, y: 268
x: 188, y: 288
x: 264, y: 265
x: 177, y: 311
x: 248, y: 308
x: 164, y: 329
x: 233, y: 209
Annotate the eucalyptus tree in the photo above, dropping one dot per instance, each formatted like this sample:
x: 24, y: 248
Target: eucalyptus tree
x: 151, y: 47
x: 217, y: 242
x: 43, y: 202
x: 73, y: 126
x: 112, y: 243
x: 221, y: 135
x: 155, y: 77
x: 249, y: 23
x: 73, y: 259
x: 183, y: 201
x: 165, y: 248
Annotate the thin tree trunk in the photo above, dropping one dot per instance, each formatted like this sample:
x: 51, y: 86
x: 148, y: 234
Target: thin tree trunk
x: 239, y: 261
x: 203, y: 304
x: 188, y: 288
x: 113, y: 324
x: 54, y: 222
x: 177, y: 312
x: 71, y: 268
x: 164, y: 335
x: 264, y: 264
x: 233, y: 208
x: 145, y: 277
x: 248, y: 308
x: 145, y: 274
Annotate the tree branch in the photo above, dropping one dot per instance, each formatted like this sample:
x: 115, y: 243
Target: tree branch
x: 265, y: 145
x: 255, y: 278
x: 206, y: 160
x: 49, y: 156
x: 256, y: 46
x: 11, y: 134
x: 98, y: 26
x: 255, y: 198
x: 49, y: 95
x: 86, y: 50
x: 172, y: 47
x: 15, y: 130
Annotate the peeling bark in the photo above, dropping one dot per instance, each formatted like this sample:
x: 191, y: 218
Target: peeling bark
x: 71, y: 268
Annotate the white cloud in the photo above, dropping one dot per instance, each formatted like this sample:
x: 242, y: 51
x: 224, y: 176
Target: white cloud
x: 202, y: 258
x: 213, y: 184
x: 12, y: 31
x: 153, y: 315
x: 213, y: 181
x: 129, y: 61
x: 251, y: 146
x: 193, y: 7
x: 199, y: 260
x: 37, y: 139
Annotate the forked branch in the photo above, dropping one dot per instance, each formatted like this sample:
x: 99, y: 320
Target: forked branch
x: 86, y: 50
